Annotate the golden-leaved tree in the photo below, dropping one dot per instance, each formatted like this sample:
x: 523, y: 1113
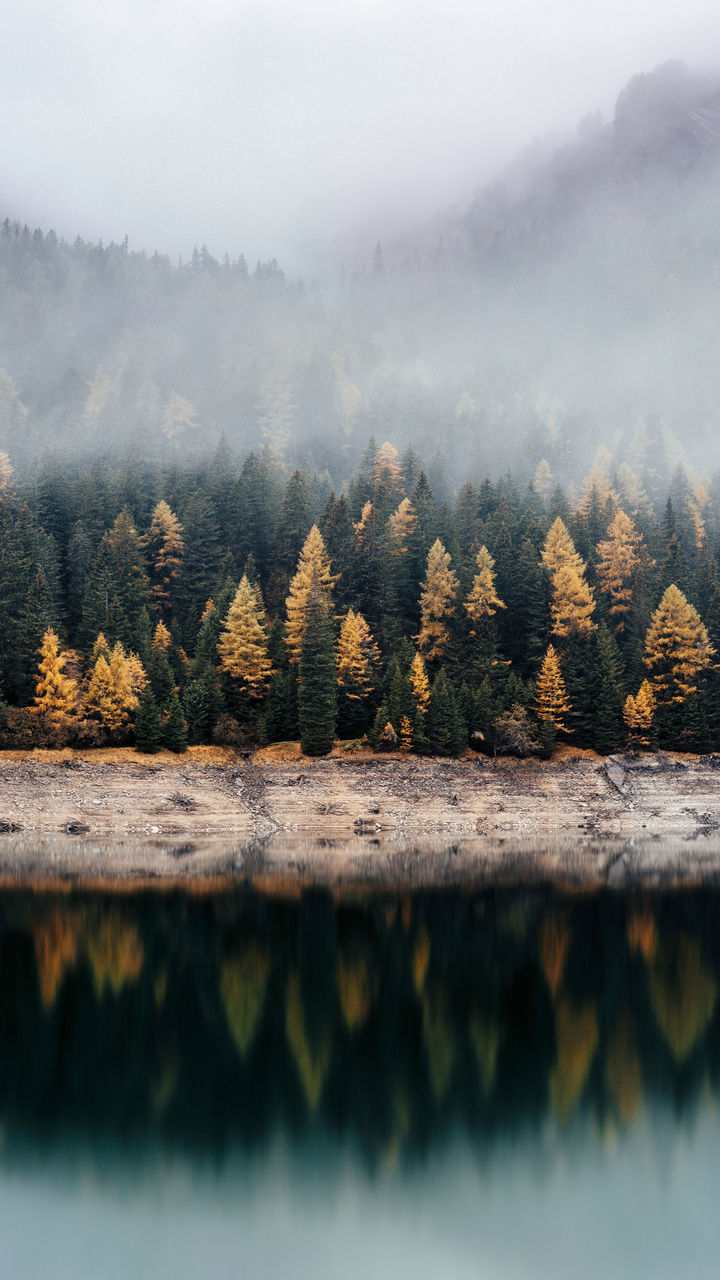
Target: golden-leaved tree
x: 116, y: 682
x: 483, y: 601
x: 437, y: 601
x: 56, y: 695
x: 357, y: 657
x: 638, y: 713
x: 243, y: 643
x: 419, y: 684
x: 572, y: 603
x: 313, y: 575
x: 166, y: 547
x: 551, y: 700
x: 401, y: 526
x: 619, y: 559
x: 677, y: 649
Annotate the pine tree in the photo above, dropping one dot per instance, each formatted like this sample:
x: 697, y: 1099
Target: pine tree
x: 619, y: 561
x: 572, y: 602
x: 166, y: 548
x: 608, y: 692
x: 198, y: 709
x: 56, y: 695
x: 551, y: 701
x: 243, y: 644
x: 313, y: 575
x: 445, y: 730
x: 483, y: 601
x: 146, y: 725
x: 173, y: 730
x: 317, y: 708
x: 436, y: 602
x: 677, y: 649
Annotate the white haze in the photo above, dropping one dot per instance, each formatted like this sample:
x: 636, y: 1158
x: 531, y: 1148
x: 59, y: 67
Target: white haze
x: 289, y: 130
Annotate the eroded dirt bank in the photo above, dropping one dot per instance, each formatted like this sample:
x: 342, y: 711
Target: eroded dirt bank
x: 210, y: 813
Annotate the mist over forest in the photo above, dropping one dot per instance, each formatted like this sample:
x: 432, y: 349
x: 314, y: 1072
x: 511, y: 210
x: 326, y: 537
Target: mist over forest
x: 576, y: 301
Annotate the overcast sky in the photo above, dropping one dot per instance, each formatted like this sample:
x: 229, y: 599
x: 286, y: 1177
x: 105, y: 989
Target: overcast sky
x: 268, y: 128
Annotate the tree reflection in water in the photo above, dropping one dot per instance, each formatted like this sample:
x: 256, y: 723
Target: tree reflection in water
x: 208, y: 1022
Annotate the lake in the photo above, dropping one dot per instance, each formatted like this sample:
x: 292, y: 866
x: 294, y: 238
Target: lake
x: 469, y: 1081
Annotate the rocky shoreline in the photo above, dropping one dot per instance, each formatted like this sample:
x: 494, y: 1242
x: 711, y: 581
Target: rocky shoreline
x: 349, y: 819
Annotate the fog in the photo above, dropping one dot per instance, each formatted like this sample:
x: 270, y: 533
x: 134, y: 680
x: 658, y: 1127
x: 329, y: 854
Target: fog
x: 282, y: 130
x: 546, y: 194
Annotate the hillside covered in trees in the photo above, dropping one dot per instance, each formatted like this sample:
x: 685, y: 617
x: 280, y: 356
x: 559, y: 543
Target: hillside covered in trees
x: 235, y: 602
x: 576, y: 299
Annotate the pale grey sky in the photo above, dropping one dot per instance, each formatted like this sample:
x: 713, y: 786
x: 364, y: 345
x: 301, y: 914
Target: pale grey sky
x: 266, y: 128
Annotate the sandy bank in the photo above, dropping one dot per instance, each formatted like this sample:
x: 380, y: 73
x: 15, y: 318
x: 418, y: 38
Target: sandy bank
x: 211, y: 813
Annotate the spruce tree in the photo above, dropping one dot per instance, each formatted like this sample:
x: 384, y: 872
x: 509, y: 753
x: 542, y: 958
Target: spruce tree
x: 317, y: 708
x: 445, y: 730
x: 173, y: 729
x: 147, y: 728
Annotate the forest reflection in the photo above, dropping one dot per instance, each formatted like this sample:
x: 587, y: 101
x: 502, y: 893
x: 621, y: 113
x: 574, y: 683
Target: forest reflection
x: 211, y: 1022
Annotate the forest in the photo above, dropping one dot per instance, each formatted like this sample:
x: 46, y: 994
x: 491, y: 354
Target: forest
x: 238, y: 602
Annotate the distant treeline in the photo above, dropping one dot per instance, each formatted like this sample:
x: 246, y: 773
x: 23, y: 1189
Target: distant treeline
x: 235, y: 603
x: 575, y: 300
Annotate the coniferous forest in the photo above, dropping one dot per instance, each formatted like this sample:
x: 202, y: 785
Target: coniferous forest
x: 239, y: 602
x: 203, y: 537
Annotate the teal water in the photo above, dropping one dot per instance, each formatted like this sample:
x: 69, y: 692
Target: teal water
x: 500, y: 1083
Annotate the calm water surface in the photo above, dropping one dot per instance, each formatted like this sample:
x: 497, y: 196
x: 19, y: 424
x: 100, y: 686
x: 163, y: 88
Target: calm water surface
x: 500, y: 1083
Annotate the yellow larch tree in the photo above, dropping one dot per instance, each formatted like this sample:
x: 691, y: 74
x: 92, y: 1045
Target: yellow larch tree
x: 357, y: 656
x: 6, y: 474
x: 401, y: 526
x: 551, y: 700
x: 619, y: 558
x: 483, y: 601
x: 543, y: 478
x: 162, y: 639
x: 313, y: 575
x: 113, y: 689
x: 56, y: 695
x: 677, y: 649
x: 638, y: 713
x: 387, y: 473
x: 572, y: 603
x: 437, y: 601
x: 598, y: 481
x: 243, y: 643
x: 166, y: 548
x: 419, y: 684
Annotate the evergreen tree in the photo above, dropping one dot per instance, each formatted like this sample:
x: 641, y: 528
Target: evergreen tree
x: 317, y: 708
x: 146, y: 727
x: 445, y: 730
x: 173, y: 730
